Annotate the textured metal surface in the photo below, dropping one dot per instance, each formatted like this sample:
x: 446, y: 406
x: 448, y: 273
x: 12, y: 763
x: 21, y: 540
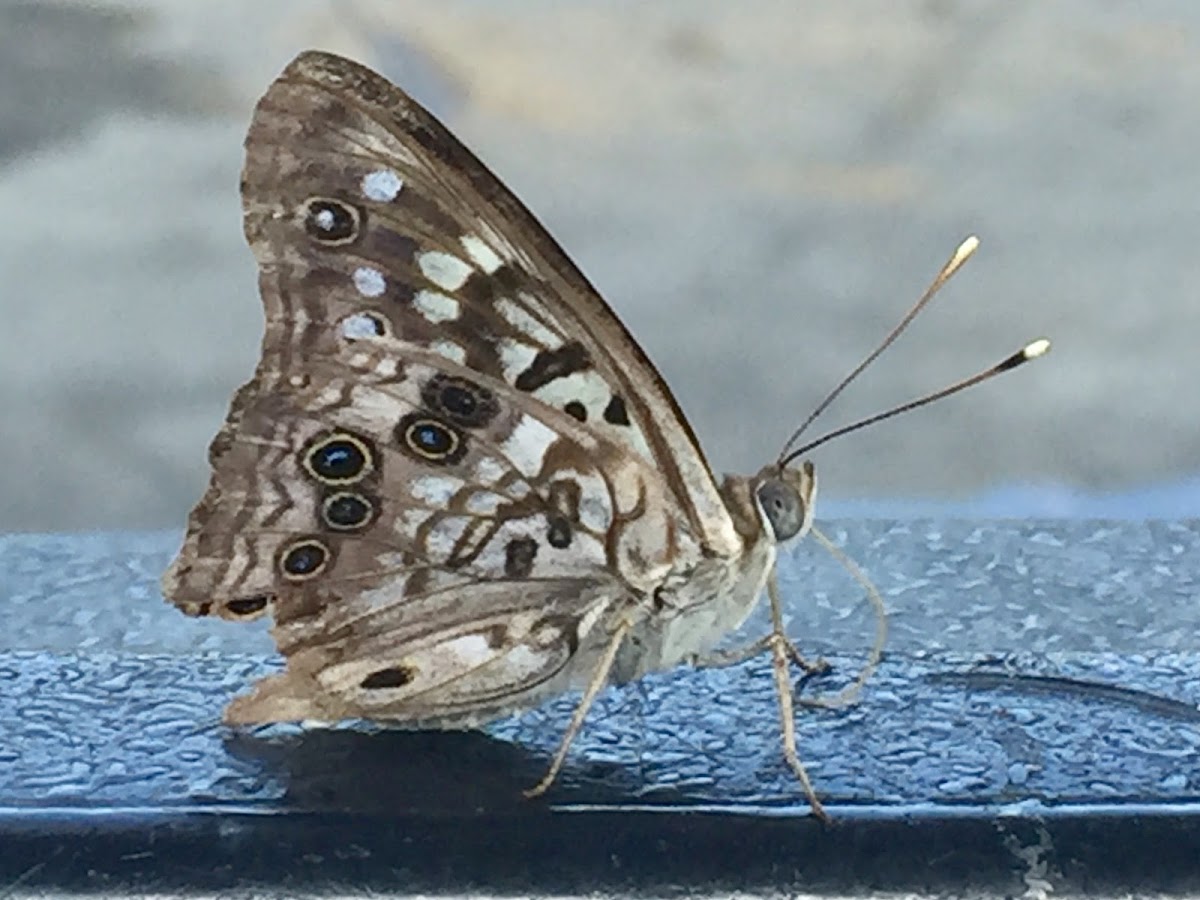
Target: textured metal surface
x: 948, y: 730
x: 1037, y: 720
x: 1040, y: 585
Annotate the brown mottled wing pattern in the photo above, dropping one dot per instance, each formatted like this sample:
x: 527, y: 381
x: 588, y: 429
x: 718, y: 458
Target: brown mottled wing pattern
x: 453, y: 461
x: 525, y: 312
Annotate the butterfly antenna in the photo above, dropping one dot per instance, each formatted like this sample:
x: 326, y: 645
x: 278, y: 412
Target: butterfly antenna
x: 1030, y: 351
x: 953, y: 264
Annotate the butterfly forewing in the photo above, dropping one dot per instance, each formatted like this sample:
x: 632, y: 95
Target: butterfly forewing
x: 367, y: 215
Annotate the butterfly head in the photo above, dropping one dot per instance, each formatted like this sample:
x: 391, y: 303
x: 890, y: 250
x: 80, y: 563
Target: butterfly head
x: 785, y: 497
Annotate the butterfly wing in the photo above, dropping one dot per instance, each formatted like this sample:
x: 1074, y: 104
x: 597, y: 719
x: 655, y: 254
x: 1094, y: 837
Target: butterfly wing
x: 393, y: 212
x: 420, y: 563
x: 453, y: 460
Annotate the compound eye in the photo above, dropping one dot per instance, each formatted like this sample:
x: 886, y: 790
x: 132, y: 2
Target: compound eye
x: 783, y: 506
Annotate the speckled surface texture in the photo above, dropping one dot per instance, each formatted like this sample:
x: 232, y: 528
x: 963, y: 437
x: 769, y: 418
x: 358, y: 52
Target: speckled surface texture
x: 1039, y: 585
x: 1020, y: 734
x: 1039, y: 711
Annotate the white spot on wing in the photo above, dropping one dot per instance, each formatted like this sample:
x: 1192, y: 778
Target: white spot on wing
x: 411, y: 520
x: 523, y: 662
x: 360, y: 326
x: 468, y: 651
x: 481, y: 254
x: 520, y: 319
x: 586, y: 387
x: 488, y: 471
x: 590, y: 389
x: 369, y: 281
x: 450, y: 351
x: 589, y: 619
x: 441, y: 540
x: 515, y: 357
x: 386, y: 368
x: 547, y: 634
x: 527, y: 445
x: 506, y: 248
x: 595, y: 504
x: 484, y: 503
x: 436, y: 490
x: 382, y: 185
x: 631, y: 435
x: 324, y: 219
x: 330, y: 395
x: 446, y: 271
x: 436, y: 307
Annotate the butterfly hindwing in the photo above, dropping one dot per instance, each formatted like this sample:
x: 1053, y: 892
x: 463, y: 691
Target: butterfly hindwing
x: 391, y: 521
x: 455, y: 670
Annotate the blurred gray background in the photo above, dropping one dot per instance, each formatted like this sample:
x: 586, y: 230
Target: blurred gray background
x: 759, y: 188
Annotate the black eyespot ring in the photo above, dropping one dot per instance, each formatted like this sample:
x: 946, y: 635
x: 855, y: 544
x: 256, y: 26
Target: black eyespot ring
x: 332, y: 222
x: 338, y: 459
x: 346, y: 511
x: 303, y: 559
x: 430, y: 440
x: 461, y: 401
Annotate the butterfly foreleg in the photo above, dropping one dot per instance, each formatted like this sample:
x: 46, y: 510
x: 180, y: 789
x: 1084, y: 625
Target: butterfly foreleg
x: 723, y: 659
x: 787, y: 724
x: 783, y: 651
x: 594, y: 686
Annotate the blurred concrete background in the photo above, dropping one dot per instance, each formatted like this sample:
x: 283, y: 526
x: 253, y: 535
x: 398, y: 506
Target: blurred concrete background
x: 760, y: 189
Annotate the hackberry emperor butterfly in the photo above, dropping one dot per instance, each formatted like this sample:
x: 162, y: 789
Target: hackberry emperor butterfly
x: 455, y: 481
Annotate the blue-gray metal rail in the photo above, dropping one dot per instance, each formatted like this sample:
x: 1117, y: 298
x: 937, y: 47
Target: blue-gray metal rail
x: 1035, y: 726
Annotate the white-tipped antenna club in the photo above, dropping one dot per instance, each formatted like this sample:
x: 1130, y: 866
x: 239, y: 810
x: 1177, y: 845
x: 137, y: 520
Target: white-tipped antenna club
x: 961, y: 254
x: 969, y: 245
x: 1028, y: 353
x: 1037, y: 348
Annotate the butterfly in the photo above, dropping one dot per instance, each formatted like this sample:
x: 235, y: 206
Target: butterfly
x: 455, y: 482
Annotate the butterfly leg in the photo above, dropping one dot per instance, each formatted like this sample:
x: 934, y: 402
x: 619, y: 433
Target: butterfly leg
x: 723, y: 659
x: 849, y: 695
x: 783, y: 651
x: 787, y: 723
x: 598, y: 680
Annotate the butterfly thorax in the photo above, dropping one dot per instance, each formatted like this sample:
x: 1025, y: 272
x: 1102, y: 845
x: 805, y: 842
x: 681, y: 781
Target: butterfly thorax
x: 695, y: 608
